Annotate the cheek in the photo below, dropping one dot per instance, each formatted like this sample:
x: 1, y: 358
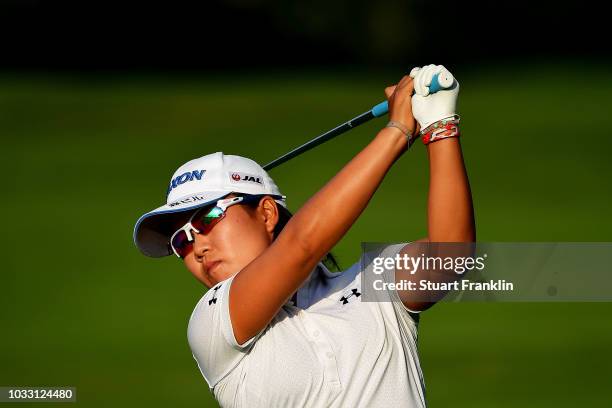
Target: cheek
x: 241, y: 239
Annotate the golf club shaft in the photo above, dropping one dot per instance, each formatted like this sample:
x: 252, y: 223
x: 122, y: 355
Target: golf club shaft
x: 346, y: 126
x: 377, y: 111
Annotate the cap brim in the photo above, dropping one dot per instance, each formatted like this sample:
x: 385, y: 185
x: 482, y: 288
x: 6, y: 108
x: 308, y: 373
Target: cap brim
x: 153, y: 230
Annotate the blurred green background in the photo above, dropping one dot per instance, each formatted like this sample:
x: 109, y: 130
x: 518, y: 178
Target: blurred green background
x: 84, y: 157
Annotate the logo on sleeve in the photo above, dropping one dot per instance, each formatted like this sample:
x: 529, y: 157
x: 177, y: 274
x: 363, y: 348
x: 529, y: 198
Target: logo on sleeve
x: 354, y: 292
x: 238, y: 177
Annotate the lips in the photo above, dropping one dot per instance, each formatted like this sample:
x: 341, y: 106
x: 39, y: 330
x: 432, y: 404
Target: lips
x: 210, y: 265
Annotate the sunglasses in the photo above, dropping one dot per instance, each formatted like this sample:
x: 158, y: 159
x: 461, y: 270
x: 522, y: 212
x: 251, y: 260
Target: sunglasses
x: 203, y: 220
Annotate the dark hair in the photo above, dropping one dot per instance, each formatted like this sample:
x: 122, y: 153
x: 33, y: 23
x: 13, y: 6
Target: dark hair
x: 284, y: 215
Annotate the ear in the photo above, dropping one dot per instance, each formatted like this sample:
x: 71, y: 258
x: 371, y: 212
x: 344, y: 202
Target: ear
x: 268, y: 211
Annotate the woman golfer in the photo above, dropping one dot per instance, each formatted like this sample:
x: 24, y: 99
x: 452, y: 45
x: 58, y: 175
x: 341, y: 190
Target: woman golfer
x: 277, y: 328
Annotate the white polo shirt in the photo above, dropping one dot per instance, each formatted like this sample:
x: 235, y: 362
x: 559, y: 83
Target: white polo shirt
x: 329, y: 350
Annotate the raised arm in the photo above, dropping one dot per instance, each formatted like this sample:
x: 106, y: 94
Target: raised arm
x: 450, y: 214
x: 263, y: 286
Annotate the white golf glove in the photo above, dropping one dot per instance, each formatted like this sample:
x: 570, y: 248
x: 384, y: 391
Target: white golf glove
x: 429, y: 108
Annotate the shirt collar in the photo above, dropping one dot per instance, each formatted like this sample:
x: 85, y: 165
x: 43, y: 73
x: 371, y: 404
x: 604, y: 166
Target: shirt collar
x: 319, y: 270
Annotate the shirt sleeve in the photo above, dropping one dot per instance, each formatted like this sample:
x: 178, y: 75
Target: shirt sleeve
x: 211, y: 335
x: 394, y: 250
x: 391, y: 251
x: 407, y: 322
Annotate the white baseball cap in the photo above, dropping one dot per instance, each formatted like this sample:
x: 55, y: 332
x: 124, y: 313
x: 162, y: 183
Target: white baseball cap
x: 196, y: 184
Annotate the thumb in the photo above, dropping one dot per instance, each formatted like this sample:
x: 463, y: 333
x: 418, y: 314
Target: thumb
x: 414, y: 71
x: 389, y: 91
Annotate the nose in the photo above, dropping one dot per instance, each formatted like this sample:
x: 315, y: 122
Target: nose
x: 201, y: 245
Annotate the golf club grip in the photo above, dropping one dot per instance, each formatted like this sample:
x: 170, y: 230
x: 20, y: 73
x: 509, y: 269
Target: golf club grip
x: 383, y: 107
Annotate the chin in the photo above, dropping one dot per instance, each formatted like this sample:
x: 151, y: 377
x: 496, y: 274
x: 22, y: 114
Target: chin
x: 205, y: 280
x: 218, y: 276
x: 210, y: 279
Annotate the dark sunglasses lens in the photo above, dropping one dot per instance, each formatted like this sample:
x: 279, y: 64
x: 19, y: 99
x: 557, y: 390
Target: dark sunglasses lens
x: 206, y: 220
x: 181, y: 244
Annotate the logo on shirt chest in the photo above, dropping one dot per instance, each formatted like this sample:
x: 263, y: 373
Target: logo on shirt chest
x: 214, y: 296
x: 350, y: 296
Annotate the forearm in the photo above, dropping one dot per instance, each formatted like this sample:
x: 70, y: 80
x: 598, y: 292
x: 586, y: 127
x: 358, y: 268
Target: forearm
x: 328, y: 215
x: 450, y: 214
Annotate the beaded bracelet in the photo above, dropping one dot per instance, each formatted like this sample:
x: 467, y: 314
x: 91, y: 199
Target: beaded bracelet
x: 405, y: 130
x: 442, y: 129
